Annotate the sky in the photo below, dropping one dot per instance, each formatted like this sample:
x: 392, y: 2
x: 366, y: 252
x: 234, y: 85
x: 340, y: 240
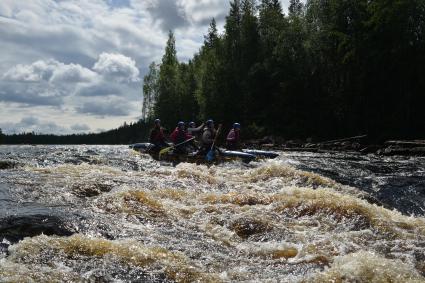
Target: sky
x: 77, y: 66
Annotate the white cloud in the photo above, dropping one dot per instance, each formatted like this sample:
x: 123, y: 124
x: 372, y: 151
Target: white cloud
x: 117, y: 67
x: 51, y: 71
x: 48, y: 82
x: 72, y: 73
x: 202, y: 11
x: 82, y: 56
x: 35, y: 72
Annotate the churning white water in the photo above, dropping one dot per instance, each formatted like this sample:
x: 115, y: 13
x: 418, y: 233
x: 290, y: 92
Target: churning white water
x: 107, y: 214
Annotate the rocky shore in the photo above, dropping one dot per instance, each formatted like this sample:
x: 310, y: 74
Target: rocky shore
x: 358, y: 144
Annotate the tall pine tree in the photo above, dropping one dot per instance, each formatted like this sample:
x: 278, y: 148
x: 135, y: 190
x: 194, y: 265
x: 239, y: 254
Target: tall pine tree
x: 150, y: 92
x: 168, y: 99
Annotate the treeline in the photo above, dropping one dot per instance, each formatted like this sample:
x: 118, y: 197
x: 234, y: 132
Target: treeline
x: 327, y: 69
x: 126, y: 134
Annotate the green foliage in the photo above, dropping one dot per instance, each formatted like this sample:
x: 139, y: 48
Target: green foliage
x: 168, y: 101
x: 295, y: 8
x: 150, y: 92
x: 329, y: 68
x: 176, y: 88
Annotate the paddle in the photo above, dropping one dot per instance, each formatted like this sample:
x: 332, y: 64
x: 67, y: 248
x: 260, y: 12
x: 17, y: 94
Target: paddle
x: 167, y: 149
x: 211, y: 154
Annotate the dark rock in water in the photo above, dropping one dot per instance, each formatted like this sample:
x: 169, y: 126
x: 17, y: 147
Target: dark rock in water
x: 244, y: 227
x: 4, y: 248
x: 406, y: 151
x: 7, y: 164
x: 15, y: 228
x: 91, y: 190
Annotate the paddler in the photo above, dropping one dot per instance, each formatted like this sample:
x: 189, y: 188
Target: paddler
x: 233, y: 138
x: 195, y: 131
x: 180, y: 135
x: 157, y: 137
x: 208, y: 136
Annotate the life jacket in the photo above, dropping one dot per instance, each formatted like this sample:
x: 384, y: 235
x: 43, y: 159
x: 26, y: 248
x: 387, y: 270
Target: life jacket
x: 233, y: 136
x: 233, y: 139
x: 208, y: 136
x: 157, y: 135
x: 179, y: 136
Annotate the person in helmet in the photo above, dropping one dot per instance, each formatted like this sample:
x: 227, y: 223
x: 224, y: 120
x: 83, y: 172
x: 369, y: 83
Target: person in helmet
x: 157, y: 137
x: 196, y: 132
x: 178, y: 136
x: 193, y: 130
x: 233, y: 138
x: 208, y: 136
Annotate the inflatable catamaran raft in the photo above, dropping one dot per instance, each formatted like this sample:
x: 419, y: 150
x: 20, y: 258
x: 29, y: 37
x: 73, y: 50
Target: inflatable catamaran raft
x: 222, y: 156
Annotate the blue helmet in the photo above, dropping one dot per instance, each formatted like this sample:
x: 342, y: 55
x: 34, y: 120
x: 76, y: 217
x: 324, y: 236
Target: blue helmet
x: 209, y: 122
x: 236, y: 126
x: 157, y: 121
x: 192, y: 124
x: 179, y: 124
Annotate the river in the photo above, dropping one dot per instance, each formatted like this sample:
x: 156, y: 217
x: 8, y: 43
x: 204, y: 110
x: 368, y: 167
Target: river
x: 109, y: 214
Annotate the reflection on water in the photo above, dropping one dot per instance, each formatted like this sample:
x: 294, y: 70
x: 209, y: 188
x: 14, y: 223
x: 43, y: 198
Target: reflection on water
x: 300, y: 218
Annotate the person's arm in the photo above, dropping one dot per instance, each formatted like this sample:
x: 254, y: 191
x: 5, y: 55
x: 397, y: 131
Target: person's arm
x: 198, y: 128
x: 195, y: 130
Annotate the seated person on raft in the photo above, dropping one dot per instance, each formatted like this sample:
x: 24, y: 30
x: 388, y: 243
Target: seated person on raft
x: 196, y: 132
x: 208, y: 136
x: 233, y: 141
x: 179, y: 136
x: 157, y: 137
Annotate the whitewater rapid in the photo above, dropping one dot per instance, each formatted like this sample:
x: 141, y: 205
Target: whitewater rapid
x: 124, y: 217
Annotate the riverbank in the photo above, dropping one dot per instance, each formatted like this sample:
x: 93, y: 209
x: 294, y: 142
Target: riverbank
x: 358, y: 144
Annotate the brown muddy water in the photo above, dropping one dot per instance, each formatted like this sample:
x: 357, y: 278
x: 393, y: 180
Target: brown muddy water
x: 108, y: 214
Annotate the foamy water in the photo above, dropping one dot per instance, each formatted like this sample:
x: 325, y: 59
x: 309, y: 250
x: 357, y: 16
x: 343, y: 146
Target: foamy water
x: 132, y: 219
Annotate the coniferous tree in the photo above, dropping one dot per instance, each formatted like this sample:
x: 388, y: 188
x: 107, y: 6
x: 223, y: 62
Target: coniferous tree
x: 188, y: 104
x: 207, y: 74
x: 250, y: 69
x: 271, y: 23
x: 210, y: 40
x: 150, y: 91
x: 295, y: 8
x: 168, y: 97
x: 329, y: 68
x: 231, y: 96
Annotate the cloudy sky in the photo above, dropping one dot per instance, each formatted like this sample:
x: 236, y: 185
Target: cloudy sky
x: 72, y: 66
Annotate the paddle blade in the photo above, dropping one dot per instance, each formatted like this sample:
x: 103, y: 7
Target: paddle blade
x: 210, y: 155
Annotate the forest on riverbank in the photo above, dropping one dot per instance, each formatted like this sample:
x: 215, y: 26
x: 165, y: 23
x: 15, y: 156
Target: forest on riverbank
x: 324, y: 70
x: 125, y: 134
x: 327, y: 69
